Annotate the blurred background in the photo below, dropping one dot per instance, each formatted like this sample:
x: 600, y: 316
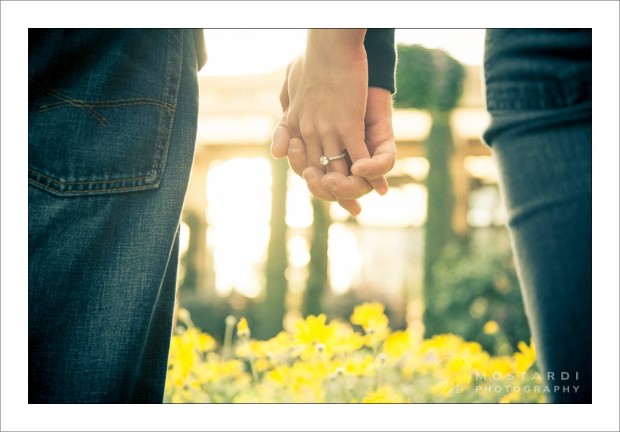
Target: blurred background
x: 434, y: 250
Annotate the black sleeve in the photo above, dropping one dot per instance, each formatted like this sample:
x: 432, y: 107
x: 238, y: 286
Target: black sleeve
x: 381, y: 53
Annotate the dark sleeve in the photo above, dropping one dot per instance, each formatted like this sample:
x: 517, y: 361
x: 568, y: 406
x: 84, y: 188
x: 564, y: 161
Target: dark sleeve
x: 381, y: 53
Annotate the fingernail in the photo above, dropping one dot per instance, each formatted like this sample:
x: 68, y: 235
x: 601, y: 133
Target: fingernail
x: 308, y: 175
x: 382, y: 190
x: 357, y: 171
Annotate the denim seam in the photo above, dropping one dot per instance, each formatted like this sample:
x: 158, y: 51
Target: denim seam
x: 76, y: 103
x: 90, y: 192
x: 162, y: 148
x: 107, y: 104
x: 53, y: 180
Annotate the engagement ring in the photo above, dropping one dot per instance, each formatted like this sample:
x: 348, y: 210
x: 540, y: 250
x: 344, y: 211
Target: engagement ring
x: 326, y: 159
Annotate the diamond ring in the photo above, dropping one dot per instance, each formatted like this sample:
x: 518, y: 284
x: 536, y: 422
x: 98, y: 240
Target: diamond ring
x: 326, y: 159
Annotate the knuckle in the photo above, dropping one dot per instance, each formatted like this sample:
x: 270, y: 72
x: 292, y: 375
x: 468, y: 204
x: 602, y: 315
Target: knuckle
x: 308, y: 131
x: 326, y: 130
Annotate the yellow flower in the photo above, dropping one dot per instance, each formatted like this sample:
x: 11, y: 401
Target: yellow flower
x: 215, y: 370
x: 193, y: 338
x: 476, y: 357
x: 307, y: 382
x: 313, y: 336
x: 346, y: 340
x: 375, y: 336
x: 320, y: 361
x: 470, y: 349
x: 184, y: 396
x: 205, y: 342
x: 397, y: 345
x: 313, y: 330
x: 303, y: 381
x: 479, y: 363
x: 183, y: 356
x: 441, y: 343
x: 278, y: 347
x: 243, y: 330
x: 525, y: 358
x: 370, y: 316
x: 458, y: 371
x: 364, y: 367
x: 383, y: 394
x: 491, y: 327
x: 499, y: 367
x: 262, y: 364
x: 273, y: 350
x: 278, y: 376
x: 249, y: 348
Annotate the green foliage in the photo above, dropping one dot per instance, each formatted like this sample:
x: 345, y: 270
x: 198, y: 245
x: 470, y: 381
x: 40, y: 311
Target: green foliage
x: 427, y: 79
x: 211, y: 313
x: 273, y: 307
x: 432, y: 80
x: 473, y: 287
x: 317, y: 279
x: 413, y: 77
x: 440, y: 200
x: 448, y: 81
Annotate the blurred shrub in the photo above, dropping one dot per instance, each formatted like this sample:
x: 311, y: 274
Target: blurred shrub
x: 428, y: 79
x: 472, y: 286
x: 211, y: 313
x: 432, y: 80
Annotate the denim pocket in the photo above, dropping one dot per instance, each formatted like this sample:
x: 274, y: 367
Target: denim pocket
x: 101, y: 108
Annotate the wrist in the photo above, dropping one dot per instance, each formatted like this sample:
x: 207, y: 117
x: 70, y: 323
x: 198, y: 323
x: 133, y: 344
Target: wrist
x: 381, y: 101
x: 336, y: 44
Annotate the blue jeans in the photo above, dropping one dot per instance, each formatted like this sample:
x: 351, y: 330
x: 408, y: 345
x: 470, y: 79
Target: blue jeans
x: 539, y: 94
x: 111, y: 132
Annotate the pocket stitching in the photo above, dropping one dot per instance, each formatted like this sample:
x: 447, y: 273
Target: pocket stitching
x: 53, y: 180
x: 108, y: 103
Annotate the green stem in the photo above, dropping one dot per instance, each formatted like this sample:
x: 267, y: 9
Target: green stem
x: 253, y: 369
x: 227, y: 349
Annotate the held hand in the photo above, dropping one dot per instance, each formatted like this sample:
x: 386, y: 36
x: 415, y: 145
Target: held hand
x: 380, y: 144
x: 324, y: 101
x: 322, y: 116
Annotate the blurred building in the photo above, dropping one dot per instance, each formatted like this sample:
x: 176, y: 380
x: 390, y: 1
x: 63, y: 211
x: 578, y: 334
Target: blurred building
x: 237, y: 115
